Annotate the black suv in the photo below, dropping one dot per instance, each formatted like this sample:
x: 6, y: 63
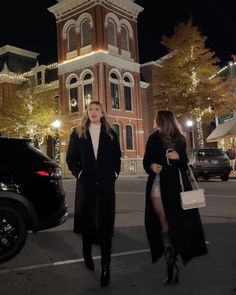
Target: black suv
x: 211, y: 161
x: 31, y: 194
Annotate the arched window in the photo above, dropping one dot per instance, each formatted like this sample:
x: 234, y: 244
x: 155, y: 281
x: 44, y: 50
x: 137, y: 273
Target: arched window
x: 71, y: 39
x: 128, y: 93
x: 87, y: 84
x: 73, y: 95
x: 86, y: 36
x: 124, y: 38
x: 114, y: 82
x: 129, y: 137
x: 39, y: 78
x: 116, y: 128
x: 56, y: 103
x: 111, y: 32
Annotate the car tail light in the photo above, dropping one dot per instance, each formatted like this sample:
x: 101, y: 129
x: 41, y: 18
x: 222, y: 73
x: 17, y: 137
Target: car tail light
x: 42, y: 173
x: 52, y: 172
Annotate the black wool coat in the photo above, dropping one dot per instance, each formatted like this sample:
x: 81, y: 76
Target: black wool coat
x: 184, y: 225
x: 94, y: 213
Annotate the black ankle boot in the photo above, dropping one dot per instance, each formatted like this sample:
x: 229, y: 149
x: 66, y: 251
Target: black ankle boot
x: 105, y: 275
x: 88, y: 261
x: 87, y: 250
x: 172, y: 269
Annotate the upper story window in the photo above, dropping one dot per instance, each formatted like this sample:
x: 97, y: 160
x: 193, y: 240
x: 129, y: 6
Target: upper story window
x: 86, y: 33
x: 56, y: 103
x: 128, y: 85
x: 124, y: 38
x: 111, y: 33
x: 71, y: 38
x: 129, y: 137
x: 115, y: 97
x: 39, y: 78
x: 87, y: 86
x: 73, y: 95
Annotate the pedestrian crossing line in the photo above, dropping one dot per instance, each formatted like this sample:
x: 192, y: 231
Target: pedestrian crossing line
x: 71, y: 261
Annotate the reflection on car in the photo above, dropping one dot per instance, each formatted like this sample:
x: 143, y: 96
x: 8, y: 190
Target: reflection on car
x: 211, y: 162
x: 31, y: 194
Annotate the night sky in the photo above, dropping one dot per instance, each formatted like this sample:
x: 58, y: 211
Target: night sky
x: 29, y: 25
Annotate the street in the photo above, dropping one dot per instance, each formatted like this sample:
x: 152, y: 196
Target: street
x: 51, y: 261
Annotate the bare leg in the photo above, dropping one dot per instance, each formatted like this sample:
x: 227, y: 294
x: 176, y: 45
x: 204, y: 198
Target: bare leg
x: 158, y: 207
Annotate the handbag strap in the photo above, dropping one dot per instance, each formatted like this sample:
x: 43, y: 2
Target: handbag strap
x: 192, y: 176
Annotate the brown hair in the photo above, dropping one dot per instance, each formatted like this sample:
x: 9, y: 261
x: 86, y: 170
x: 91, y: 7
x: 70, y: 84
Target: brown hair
x: 170, y: 129
x: 85, y: 122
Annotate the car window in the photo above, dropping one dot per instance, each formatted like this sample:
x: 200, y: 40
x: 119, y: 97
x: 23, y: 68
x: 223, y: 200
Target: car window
x: 211, y: 153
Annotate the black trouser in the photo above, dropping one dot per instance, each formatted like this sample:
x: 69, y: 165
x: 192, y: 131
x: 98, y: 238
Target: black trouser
x: 105, y: 246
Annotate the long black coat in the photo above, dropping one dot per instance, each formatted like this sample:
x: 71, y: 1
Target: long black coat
x: 184, y: 225
x: 95, y: 188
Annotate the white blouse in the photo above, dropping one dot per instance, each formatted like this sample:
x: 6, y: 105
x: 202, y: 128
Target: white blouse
x: 94, y: 130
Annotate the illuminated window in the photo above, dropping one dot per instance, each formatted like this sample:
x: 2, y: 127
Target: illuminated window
x: 114, y: 82
x: 73, y: 95
x: 87, y: 84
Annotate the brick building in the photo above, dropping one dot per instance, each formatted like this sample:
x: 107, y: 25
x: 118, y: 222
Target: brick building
x: 97, y: 59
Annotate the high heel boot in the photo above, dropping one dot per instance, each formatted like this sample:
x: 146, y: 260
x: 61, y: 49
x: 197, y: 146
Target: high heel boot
x: 105, y: 262
x: 87, y: 249
x: 171, y: 260
x: 105, y: 275
x: 172, y: 271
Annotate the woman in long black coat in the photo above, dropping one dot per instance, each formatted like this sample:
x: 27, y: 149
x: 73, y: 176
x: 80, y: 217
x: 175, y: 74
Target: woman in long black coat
x: 185, y: 232
x: 94, y: 158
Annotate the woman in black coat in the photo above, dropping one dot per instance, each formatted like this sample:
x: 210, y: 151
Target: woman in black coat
x: 185, y: 234
x: 94, y: 158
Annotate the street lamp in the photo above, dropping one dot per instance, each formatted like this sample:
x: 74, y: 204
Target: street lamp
x: 190, y: 124
x: 56, y: 124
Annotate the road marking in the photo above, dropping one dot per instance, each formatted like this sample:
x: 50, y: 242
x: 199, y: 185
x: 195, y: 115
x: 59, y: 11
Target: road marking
x: 220, y: 196
x: 64, y: 262
x: 143, y: 193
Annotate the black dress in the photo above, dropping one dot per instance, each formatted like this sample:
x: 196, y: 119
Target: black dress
x: 184, y: 225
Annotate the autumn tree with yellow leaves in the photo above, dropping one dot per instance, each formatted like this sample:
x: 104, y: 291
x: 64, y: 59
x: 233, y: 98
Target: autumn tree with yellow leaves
x: 188, y: 82
x: 29, y: 113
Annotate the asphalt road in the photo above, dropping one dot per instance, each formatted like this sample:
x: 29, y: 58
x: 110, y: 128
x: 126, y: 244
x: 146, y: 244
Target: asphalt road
x: 51, y: 263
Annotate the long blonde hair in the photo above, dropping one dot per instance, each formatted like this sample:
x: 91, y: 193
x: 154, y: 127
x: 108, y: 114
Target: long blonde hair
x: 85, y: 122
x: 169, y: 128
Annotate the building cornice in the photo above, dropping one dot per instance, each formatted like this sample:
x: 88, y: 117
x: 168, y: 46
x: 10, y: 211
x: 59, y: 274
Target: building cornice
x: 95, y: 58
x: 18, y: 51
x: 65, y: 6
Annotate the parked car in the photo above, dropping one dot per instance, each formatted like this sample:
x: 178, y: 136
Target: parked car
x: 32, y: 197
x: 211, y: 162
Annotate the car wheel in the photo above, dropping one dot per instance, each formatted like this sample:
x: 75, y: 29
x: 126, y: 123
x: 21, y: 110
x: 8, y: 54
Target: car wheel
x: 13, y: 232
x: 225, y: 177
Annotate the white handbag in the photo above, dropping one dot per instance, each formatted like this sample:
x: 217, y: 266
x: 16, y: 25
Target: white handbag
x: 194, y: 198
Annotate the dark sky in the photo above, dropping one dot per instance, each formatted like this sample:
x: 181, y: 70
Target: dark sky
x: 29, y: 25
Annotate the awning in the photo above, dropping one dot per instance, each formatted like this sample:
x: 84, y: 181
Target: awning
x: 222, y: 131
